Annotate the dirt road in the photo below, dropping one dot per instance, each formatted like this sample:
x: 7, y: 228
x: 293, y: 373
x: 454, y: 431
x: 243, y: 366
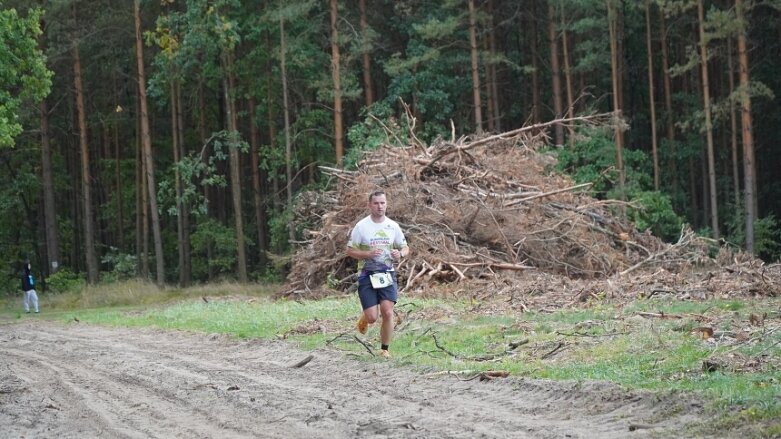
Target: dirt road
x: 82, y: 381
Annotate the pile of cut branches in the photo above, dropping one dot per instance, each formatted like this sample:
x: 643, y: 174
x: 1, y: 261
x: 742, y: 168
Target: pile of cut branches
x: 475, y: 211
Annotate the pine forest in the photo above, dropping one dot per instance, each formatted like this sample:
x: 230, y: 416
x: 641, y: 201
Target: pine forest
x: 176, y: 140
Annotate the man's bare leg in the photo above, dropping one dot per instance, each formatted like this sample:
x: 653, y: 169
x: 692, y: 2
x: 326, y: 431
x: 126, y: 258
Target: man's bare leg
x: 386, y: 331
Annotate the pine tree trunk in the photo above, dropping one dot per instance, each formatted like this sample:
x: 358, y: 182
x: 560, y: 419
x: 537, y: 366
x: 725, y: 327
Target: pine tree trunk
x: 51, y: 232
x: 104, y: 193
x: 622, y: 72
x: 652, y: 103
x: 614, y: 73
x: 475, y: 68
x: 177, y: 183
x: 120, y: 226
x: 202, y: 134
x: 104, y: 233
x: 177, y: 178
x: 208, y: 193
x: 146, y: 141
x: 222, y: 204
x: 272, y: 119
x: 145, y: 269
x: 365, y: 58
x: 142, y: 233
x: 494, y: 76
x: 49, y: 206
x: 99, y: 188
x: 695, y: 203
x: 489, y: 96
x: 749, y: 174
x: 555, y: 74
x: 536, y: 100
x: 74, y: 203
x: 86, y: 178
x: 235, y: 165
x: 187, y: 269
x: 568, y: 80
x: 705, y: 186
x: 733, y: 123
x: 714, y: 211
x: 286, y: 110
x: 73, y: 158
x: 691, y: 202
x: 337, y: 79
x: 260, y: 216
x: 668, y: 106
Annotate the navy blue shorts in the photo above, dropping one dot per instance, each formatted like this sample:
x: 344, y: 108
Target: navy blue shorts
x: 371, y: 297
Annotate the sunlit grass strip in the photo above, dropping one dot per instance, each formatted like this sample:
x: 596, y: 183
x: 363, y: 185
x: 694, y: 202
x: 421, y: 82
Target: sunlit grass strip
x: 260, y: 318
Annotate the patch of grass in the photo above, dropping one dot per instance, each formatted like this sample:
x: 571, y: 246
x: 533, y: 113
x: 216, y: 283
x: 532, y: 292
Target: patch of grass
x: 242, y: 318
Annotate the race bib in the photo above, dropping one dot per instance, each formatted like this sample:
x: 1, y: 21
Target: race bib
x: 381, y: 280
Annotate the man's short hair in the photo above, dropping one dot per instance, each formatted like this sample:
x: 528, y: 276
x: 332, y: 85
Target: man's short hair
x: 375, y: 194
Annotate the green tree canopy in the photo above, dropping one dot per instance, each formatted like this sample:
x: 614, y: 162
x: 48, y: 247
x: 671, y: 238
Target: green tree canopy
x: 23, y: 71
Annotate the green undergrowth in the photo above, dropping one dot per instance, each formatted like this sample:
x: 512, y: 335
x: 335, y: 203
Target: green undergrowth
x: 654, y: 344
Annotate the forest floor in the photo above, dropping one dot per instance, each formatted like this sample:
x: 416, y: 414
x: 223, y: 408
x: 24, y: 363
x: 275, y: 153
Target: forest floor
x: 78, y: 380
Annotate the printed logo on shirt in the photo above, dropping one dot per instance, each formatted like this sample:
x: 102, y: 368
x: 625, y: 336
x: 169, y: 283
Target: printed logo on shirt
x: 379, y: 242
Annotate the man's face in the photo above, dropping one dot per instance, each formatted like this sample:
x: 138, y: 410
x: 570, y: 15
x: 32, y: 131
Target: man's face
x: 377, y: 205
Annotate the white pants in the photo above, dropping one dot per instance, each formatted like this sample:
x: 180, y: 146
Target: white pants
x: 30, y: 297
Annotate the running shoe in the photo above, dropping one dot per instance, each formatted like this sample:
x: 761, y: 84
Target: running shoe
x: 362, y: 324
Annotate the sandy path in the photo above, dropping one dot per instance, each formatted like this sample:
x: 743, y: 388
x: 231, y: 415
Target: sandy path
x: 83, y: 381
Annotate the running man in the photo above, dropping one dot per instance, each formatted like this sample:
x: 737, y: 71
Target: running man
x: 377, y: 242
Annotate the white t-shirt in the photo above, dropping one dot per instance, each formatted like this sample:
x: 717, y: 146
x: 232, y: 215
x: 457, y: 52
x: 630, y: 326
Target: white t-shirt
x: 368, y: 235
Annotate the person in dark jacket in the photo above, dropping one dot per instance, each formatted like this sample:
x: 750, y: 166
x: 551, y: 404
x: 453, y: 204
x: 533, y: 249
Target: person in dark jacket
x: 28, y: 286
